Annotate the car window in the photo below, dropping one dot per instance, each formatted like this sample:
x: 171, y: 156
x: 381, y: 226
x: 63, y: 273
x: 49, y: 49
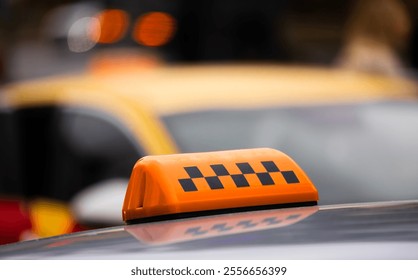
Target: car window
x: 353, y: 152
x: 9, y: 175
x: 64, y: 149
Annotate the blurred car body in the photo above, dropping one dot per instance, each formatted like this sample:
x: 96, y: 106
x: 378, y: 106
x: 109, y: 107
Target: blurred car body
x: 377, y: 231
x: 352, y: 133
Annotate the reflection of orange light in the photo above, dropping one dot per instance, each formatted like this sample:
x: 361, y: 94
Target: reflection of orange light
x: 154, y: 29
x: 113, y: 26
x: 205, y: 227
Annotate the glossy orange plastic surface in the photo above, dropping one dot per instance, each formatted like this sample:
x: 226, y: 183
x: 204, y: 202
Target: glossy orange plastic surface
x: 187, y: 183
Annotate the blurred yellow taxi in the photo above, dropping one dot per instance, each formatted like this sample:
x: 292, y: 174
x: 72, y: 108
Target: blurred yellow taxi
x: 66, y: 135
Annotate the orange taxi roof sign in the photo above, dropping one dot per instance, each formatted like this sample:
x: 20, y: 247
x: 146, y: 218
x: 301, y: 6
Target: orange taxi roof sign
x: 182, y: 184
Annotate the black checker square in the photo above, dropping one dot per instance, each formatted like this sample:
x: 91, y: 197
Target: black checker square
x: 265, y: 178
x: 272, y: 221
x: 290, y: 177
x: 270, y: 166
x: 247, y: 224
x: 196, y: 231
x: 188, y: 185
x: 214, y: 182
x: 240, y: 180
x: 219, y: 170
x: 221, y: 227
x: 245, y: 168
x: 193, y: 172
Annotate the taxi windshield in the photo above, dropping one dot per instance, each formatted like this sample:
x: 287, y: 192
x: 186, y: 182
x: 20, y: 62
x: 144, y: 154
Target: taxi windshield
x: 353, y: 152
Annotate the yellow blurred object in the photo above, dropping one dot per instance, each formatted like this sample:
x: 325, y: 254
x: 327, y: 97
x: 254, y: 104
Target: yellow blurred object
x: 176, y: 89
x: 172, y: 89
x: 138, y: 98
x: 93, y: 93
x: 50, y: 217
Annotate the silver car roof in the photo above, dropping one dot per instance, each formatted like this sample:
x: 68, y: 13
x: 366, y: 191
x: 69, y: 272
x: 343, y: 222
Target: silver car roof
x: 385, y: 230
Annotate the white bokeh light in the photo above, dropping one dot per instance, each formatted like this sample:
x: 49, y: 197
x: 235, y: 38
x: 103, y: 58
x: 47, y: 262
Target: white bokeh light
x: 81, y: 37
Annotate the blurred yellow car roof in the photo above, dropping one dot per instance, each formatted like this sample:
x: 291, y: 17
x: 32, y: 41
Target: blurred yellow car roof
x: 169, y: 89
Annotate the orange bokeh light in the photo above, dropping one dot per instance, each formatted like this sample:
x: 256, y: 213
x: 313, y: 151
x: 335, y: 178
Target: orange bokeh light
x: 122, y: 62
x: 154, y: 29
x: 112, y: 27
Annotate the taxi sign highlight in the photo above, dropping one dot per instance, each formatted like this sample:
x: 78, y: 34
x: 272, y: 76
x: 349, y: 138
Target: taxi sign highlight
x: 181, y: 185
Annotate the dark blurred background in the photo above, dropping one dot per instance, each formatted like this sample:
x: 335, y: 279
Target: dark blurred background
x: 36, y: 36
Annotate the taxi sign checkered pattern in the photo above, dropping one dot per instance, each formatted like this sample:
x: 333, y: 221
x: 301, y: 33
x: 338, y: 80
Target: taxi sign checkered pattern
x: 197, y: 182
x: 239, y: 179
